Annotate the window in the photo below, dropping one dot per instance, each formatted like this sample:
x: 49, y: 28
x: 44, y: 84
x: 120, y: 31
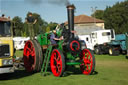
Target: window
x: 112, y: 33
x: 5, y: 29
x: 94, y: 35
x: 105, y: 33
x: 87, y: 39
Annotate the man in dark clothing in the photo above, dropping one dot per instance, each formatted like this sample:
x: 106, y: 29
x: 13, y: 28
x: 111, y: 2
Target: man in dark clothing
x: 53, y: 38
x: 31, y: 21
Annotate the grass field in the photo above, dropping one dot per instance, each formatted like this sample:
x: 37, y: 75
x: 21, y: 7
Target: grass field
x: 110, y: 70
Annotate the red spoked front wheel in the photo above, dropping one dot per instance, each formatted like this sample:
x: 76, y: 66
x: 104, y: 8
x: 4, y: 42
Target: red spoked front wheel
x: 57, y: 63
x: 88, y: 62
x: 30, y: 56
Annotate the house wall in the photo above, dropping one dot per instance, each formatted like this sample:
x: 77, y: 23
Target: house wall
x: 85, y: 29
x: 100, y: 25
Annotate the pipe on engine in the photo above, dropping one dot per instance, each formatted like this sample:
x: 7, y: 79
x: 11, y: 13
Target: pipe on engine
x: 70, y: 10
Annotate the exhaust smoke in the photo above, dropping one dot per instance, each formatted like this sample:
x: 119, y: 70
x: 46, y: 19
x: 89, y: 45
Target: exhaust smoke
x: 54, y: 2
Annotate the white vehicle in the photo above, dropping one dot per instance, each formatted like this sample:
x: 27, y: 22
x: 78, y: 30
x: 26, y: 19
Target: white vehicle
x: 97, y: 40
x: 87, y: 40
x: 19, y: 42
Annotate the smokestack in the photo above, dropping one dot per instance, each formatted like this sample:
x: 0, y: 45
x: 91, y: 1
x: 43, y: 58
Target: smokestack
x: 70, y: 10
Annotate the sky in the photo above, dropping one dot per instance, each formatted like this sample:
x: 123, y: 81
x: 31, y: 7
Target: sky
x: 52, y: 10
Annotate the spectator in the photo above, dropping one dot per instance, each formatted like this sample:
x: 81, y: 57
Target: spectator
x: 31, y: 21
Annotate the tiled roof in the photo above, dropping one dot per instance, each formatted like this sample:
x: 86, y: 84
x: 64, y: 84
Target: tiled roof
x: 85, y: 19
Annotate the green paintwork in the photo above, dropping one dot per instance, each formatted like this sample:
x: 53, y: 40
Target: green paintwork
x: 46, y: 59
x: 60, y: 45
x: 44, y: 39
x: 73, y: 63
x: 69, y: 56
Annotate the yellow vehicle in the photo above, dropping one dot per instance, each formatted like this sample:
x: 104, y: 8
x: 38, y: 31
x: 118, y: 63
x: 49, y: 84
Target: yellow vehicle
x: 6, y: 46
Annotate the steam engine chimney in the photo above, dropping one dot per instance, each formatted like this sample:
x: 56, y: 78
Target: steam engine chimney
x: 70, y: 10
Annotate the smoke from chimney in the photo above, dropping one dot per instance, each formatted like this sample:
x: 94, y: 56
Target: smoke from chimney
x: 54, y: 2
x: 34, y: 1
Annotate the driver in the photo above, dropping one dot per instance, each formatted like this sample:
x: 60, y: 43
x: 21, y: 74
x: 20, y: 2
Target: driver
x: 53, y: 38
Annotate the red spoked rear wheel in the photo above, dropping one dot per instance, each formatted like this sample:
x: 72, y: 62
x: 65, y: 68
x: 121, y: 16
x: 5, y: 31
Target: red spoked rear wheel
x: 57, y: 63
x: 30, y: 56
x: 88, y: 62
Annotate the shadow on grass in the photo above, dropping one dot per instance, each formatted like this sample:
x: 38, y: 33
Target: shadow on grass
x: 72, y: 70
x: 16, y: 75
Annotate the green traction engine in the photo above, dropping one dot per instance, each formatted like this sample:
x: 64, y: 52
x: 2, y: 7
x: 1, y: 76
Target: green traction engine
x: 39, y: 53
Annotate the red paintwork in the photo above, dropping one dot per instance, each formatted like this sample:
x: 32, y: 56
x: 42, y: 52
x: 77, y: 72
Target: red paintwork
x: 74, y: 41
x: 29, y: 56
x: 86, y: 66
x: 56, y: 63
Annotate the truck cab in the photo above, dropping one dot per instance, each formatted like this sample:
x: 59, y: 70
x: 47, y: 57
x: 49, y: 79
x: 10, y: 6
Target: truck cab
x: 6, y: 46
x: 101, y: 37
x: 98, y: 40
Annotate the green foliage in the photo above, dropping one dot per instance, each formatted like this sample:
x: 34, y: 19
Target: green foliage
x: 115, y: 17
x: 17, y: 26
x: 25, y: 28
x: 52, y: 25
x: 98, y: 14
x: 48, y: 29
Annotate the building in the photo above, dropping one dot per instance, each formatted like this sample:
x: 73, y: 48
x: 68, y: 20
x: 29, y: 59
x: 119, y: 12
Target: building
x: 85, y: 24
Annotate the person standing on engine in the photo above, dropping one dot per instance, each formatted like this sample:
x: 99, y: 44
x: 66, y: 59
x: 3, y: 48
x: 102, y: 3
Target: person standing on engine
x: 31, y: 21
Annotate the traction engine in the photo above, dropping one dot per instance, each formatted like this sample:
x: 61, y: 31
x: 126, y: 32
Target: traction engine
x: 39, y: 53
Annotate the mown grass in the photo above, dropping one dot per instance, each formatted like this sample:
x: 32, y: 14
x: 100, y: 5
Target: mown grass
x: 110, y: 70
x: 19, y: 53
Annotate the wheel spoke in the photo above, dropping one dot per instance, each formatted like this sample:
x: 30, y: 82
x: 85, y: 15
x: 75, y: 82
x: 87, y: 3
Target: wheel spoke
x: 58, y: 68
x: 58, y: 58
x: 54, y: 54
x: 85, y: 61
x: 54, y: 67
x: 87, y: 69
x: 55, y: 58
x: 29, y: 49
x: 87, y: 54
x: 27, y: 54
x: 88, y: 61
x: 33, y: 53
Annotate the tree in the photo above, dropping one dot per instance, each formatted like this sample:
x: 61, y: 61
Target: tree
x: 52, y: 25
x: 115, y: 17
x: 48, y: 29
x: 98, y: 14
x: 17, y: 26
